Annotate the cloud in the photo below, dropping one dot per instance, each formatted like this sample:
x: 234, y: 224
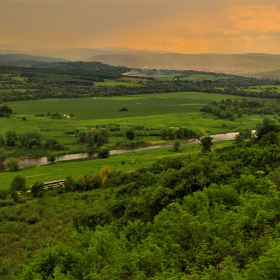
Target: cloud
x: 257, y: 18
x: 224, y: 28
x: 180, y: 26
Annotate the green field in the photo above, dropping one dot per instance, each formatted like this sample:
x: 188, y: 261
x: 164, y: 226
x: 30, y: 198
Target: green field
x: 116, y: 83
x: 154, y: 111
x: 200, y: 77
x: 126, y: 162
x: 170, y: 77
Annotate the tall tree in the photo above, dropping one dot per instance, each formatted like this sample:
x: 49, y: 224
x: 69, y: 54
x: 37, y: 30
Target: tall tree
x: 206, y: 144
x: 11, y: 137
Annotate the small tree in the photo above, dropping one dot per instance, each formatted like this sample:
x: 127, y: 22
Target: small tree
x: 103, y: 152
x: 239, y: 139
x: 2, y: 140
x: 11, y: 137
x: 102, y: 138
x: 70, y: 184
x: 164, y: 133
x: 3, y: 154
x: 130, y: 134
x: 12, y: 164
x: 5, y: 111
x: 51, y: 158
x: 82, y: 136
x: 18, y: 184
x: 271, y: 137
x: 206, y: 143
x: 176, y: 146
x: 246, y: 133
x: 30, y: 139
x: 91, y: 138
x: 52, y: 143
x: 37, y: 189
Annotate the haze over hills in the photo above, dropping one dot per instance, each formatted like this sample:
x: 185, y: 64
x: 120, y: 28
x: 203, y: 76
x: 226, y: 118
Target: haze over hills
x: 226, y: 63
x: 251, y: 64
x: 69, y: 54
x: 10, y: 58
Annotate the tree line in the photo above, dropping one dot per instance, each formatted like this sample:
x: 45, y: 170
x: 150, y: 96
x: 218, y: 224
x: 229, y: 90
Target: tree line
x: 231, y: 109
x: 78, y: 82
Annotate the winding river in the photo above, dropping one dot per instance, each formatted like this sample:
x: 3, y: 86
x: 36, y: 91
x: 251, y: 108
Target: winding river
x: 44, y: 160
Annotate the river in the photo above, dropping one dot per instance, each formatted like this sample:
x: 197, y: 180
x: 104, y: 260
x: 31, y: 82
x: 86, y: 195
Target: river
x: 44, y: 160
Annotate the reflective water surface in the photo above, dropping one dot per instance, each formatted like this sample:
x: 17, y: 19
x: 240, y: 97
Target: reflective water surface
x: 44, y: 160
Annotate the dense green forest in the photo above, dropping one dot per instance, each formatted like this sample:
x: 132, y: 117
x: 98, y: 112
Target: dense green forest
x: 207, y: 215
x: 231, y: 109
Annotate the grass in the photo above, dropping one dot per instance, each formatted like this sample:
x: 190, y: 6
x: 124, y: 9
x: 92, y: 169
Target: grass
x: 192, y: 77
x: 113, y: 83
x: 171, y: 77
x: 108, y: 108
x: 170, y: 109
x: 153, y: 111
x: 199, y: 77
x: 90, y: 166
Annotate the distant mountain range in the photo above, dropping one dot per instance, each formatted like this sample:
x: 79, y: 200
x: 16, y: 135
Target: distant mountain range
x: 10, y: 58
x: 78, y: 54
x: 251, y: 64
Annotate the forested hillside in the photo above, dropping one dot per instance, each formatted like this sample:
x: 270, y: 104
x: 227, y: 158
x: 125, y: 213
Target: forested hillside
x: 207, y: 215
x: 40, y: 80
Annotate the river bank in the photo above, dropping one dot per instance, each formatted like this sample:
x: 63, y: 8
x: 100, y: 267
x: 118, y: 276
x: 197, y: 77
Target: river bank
x: 23, y: 163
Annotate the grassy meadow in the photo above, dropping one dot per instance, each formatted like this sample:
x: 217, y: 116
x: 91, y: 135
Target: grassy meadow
x: 127, y: 162
x: 168, y: 109
x: 200, y: 77
x: 154, y: 111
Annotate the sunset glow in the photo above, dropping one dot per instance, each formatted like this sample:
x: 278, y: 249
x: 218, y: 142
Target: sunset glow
x: 177, y: 26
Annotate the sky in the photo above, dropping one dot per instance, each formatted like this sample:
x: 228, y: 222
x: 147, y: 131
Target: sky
x: 188, y: 26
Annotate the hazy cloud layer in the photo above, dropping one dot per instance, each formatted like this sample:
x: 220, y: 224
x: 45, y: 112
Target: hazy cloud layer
x: 227, y: 26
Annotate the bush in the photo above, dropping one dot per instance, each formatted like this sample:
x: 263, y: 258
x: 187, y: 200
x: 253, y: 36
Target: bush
x: 18, y: 184
x: 176, y: 146
x: 3, y: 194
x: 5, y: 203
x: 52, y: 143
x: 12, y: 164
x: 33, y: 219
x: 103, y: 152
x: 51, y: 158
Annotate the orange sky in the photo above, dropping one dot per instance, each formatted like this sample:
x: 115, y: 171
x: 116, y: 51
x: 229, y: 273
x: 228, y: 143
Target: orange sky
x: 189, y: 26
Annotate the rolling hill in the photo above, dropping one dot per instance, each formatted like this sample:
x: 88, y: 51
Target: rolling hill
x: 25, y: 60
x: 241, y: 64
